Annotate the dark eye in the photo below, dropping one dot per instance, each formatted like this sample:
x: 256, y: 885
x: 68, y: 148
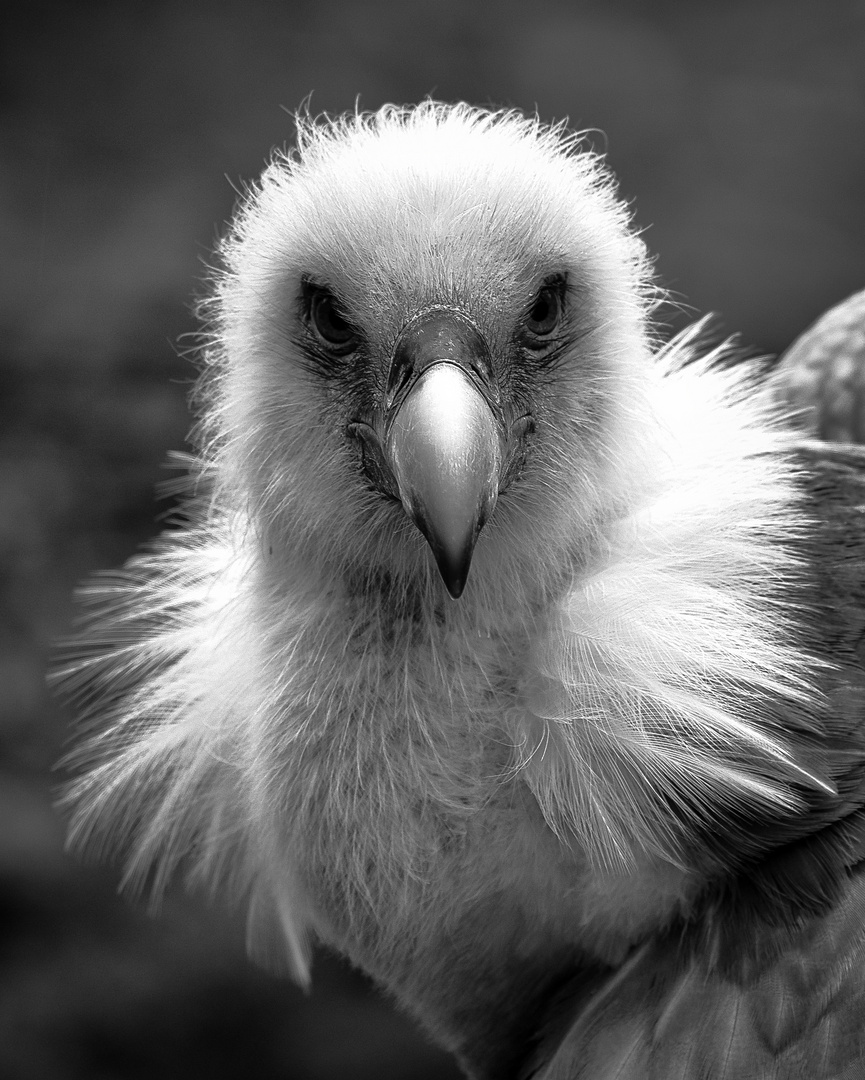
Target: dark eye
x: 328, y: 324
x: 545, y: 313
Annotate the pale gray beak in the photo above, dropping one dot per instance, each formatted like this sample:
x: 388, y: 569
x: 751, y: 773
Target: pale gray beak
x: 438, y: 442
x: 445, y: 447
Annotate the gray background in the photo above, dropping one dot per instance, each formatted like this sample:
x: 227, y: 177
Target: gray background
x: 737, y: 128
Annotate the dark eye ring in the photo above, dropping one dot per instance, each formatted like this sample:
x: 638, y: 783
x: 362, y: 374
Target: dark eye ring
x: 328, y: 324
x: 545, y: 313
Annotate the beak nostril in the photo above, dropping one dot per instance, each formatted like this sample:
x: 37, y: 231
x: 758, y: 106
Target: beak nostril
x: 398, y: 378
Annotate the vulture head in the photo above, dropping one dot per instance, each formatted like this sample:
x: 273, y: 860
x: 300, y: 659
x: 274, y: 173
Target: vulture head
x: 430, y: 333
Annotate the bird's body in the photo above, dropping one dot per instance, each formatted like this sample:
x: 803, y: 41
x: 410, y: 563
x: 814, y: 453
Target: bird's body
x: 556, y: 817
x: 822, y: 375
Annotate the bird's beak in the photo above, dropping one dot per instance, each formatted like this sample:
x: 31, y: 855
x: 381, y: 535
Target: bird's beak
x: 442, y: 437
x: 444, y: 447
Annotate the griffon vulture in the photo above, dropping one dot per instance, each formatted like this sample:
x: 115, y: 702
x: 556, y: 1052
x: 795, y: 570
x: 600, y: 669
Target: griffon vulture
x: 511, y: 655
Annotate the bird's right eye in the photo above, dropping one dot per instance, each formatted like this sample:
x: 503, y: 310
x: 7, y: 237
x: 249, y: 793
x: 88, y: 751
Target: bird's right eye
x: 333, y: 330
x: 545, y: 315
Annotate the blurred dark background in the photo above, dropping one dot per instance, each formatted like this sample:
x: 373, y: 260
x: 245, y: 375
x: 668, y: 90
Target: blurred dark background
x: 738, y: 128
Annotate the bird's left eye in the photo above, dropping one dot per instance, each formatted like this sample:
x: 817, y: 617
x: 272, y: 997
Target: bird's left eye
x: 545, y: 313
x: 328, y: 324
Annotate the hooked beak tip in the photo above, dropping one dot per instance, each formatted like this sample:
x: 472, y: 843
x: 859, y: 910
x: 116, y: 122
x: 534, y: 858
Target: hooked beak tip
x: 453, y: 561
x: 454, y: 583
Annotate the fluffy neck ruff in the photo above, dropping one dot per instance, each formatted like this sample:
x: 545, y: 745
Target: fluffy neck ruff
x: 671, y: 712
x: 659, y: 708
x: 660, y: 705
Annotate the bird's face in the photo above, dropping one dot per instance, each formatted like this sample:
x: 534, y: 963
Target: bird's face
x: 430, y: 332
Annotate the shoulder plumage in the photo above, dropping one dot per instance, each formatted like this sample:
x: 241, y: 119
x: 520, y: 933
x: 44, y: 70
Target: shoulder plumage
x: 671, y: 1013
